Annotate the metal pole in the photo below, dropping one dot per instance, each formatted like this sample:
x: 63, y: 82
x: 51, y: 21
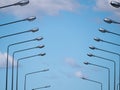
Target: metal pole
x: 8, y: 57
x: 7, y: 6
x: 106, y: 31
x: 111, y: 43
x: 87, y: 63
x: 12, y: 22
x: 108, y: 20
x: 32, y: 30
x: 93, y: 81
x: 111, y: 53
x: 42, y: 87
x: 91, y: 55
x: 18, y: 65
x: 30, y: 74
x: 119, y: 73
x: 98, y: 40
x: 13, y: 61
x: 21, y: 3
x: 26, y: 19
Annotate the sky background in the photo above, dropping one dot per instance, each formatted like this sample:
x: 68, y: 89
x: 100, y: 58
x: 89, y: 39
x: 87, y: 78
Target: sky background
x: 68, y: 28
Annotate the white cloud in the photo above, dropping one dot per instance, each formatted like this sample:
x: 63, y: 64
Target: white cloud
x: 79, y: 74
x: 72, y: 63
x: 104, y: 5
x: 3, y: 59
x: 40, y: 7
x: 53, y: 7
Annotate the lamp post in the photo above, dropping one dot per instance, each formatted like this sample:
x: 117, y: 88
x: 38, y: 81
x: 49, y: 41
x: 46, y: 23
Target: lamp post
x: 20, y: 3
x: 115, y: 4
x: 41, y: 54
x: 110, y: 21
x: 1, y: 37
x: 93, y: 81
x: 101, y: 40
x: 91, y: 55
x: 106, y: 31
x: 88, y: 63
x: 8, y: 47
x: 31, y: 30
x: 95, y: 48
x: 31, y: 74
x: 32, y: 18
x: 48, y: 86
x: 118, y: 86
x: 40, y: 46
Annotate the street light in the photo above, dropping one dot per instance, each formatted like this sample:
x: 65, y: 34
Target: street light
x: 48, y: 86
x: 98, y: 39
x: 40, y: 46
x: 115, y: 4
x: 109, y: 21
x: 93, y: 81
x: 20, y: 3
x: 106, y: 31
x: 8, y: 47
x: 118, y: 86
x: 88, y: 63
x: 92, y: 55
x: 33, y: 73
x: 1, y: 37
x: 101, y: 40
x: 32, y: 18
x: 41, y: 54
x: 95, y: 48
x: 31, y: 30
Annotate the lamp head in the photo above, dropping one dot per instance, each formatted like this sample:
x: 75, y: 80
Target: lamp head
x: 115, y: 4
x: 83, y: 78
x: 23, y: 2
x: 97, y: 39
x: 34, y: 30
x: 107, y: 20
x: 40, y: 46
x: 45, y: 70
x: 102, y: 30
x: 42, y: 54
x: 92, y: 47
x: 39, y: 38
x: 86, y: 63
x: 47, y: 86
x: 90, y: 55
x: 31, y: 18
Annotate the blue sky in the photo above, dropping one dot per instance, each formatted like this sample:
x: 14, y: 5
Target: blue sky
x: 68, y: 28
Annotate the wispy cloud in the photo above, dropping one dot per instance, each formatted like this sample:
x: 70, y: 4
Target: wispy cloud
x: 104, y: 5
x: 76, y: 73
x: 3, y: 59
x: 72, y: 63
x: 54, y: 7
x: 41, y: 7
x: 79, y: 74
